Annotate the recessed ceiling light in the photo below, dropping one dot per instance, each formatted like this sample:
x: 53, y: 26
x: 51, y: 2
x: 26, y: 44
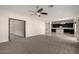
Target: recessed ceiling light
x: 51, y: 6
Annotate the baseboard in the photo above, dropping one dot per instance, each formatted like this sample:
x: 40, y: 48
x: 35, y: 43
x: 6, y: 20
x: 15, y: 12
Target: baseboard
x: 3, y: 41
x: 33, y: 35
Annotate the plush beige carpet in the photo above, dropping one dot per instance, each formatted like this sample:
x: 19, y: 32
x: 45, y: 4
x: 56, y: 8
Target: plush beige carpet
x: 40, y: 44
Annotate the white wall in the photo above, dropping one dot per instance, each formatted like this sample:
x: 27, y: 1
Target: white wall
x: 33, y: 26
x: 3, y: 25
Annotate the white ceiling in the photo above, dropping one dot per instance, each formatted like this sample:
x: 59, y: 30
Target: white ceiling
x: 58, y: 12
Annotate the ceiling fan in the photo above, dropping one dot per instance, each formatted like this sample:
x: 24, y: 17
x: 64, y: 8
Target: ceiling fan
x: 39, y: 12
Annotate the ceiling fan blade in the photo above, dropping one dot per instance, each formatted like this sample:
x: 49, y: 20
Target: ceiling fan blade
x: 44, y: 13
x: 40, y: 10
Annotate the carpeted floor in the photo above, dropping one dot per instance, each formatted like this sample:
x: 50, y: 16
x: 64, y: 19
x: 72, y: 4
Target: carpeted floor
x: 40, y: 44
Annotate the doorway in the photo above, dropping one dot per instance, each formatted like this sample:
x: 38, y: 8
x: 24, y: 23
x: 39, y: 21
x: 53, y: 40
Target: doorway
x: 17, y: 27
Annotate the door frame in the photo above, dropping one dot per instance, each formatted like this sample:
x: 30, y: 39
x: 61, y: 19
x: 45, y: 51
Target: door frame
x: 17, y: 20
